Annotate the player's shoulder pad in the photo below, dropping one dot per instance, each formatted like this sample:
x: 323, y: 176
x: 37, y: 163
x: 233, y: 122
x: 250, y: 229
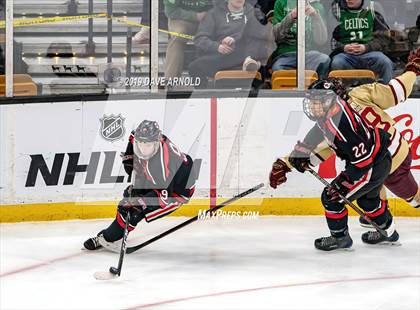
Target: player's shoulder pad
x: 174, y: 150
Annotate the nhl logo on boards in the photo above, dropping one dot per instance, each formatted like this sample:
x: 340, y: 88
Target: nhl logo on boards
x: 112, y: 127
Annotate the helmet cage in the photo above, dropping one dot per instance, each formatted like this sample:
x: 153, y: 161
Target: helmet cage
x: 317, y: 103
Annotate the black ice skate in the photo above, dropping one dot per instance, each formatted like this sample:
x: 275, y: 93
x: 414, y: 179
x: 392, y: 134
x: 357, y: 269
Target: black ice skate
x: 92, y: 244
x: 333, y: 243
x: 374, y: 237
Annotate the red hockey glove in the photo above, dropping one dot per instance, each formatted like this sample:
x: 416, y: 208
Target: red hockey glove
x: 278, y: 173
x: 413, y: 63
x: 300, y: 156
x: 341, y: 185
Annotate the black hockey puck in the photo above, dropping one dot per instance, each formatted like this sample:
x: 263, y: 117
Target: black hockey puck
x: 113, y: 270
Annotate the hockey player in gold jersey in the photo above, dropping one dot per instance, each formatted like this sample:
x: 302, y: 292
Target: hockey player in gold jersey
x: 371, y: 101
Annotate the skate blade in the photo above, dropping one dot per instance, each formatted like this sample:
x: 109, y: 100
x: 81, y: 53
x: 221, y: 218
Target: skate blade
x: 92, y: 251
x: 386, y: 243
x: 351, y: 249
x: 104, y: 275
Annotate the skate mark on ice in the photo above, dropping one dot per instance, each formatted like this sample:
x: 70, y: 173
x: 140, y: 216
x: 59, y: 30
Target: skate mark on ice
x: 52, y: 261
x: 233, y: 292
x: 41, y: 264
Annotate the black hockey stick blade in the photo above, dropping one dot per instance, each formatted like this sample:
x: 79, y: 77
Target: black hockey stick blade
x: 348, y: 202
x: 193, y: 219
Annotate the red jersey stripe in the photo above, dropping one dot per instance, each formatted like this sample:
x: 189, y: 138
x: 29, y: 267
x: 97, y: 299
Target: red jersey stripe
x: 336, y: 216
x: 166, y: 158
x: 333, y: 131
x: 394, y: 93
x: 403, y: 87
x: 380, y: 211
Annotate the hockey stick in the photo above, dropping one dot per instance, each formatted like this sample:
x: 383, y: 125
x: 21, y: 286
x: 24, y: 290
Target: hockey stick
x: 352, y: 205
x: 193, y: 219
x: 116, y: 272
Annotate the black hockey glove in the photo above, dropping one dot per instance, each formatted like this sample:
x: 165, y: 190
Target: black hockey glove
x: 128, y: 192
x: 341, y: 185
x: 135, y: 204
x: 127, y: 161
x: 300, y: 156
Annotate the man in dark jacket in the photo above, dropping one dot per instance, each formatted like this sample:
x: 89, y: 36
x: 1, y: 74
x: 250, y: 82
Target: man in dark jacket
x: 356, y: 47
x: 229, y: 36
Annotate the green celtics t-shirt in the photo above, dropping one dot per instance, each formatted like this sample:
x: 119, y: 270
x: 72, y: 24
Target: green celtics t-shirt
x: 283, y: 8
x: 356, y: 26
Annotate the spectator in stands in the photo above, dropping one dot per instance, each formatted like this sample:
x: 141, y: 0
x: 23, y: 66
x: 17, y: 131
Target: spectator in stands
x: 184, y: 17
x: 356, y: 47
x: 230, y: 36
x: 414, y: 34
x: 285, y: 34
x: 263, y: 10
x: 143, y: 36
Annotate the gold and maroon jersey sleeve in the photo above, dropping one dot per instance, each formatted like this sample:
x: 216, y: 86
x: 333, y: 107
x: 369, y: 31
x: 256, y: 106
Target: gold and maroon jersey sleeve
x: 385, y: 96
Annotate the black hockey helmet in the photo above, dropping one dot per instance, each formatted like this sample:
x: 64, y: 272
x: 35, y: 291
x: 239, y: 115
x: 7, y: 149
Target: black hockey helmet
x: 334, y: 84
x: 147, y: 131
x: 147, y: 137
x: 318, y: 102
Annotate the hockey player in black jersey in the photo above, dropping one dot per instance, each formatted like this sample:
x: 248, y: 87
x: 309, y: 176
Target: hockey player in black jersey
x: 163, y: 181
x: 368, y: 162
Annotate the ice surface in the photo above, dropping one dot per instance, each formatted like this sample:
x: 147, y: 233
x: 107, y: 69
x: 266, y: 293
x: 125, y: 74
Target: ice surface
x: 267, y: 263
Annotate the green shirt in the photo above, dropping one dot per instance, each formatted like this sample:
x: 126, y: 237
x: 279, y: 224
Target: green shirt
x: 356, y: 26
x: 283, y: 8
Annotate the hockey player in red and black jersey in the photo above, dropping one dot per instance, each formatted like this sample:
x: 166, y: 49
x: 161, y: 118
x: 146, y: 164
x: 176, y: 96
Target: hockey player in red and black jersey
x: 368, y: 162
x: 163, y: 179
x: 371, y: 101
